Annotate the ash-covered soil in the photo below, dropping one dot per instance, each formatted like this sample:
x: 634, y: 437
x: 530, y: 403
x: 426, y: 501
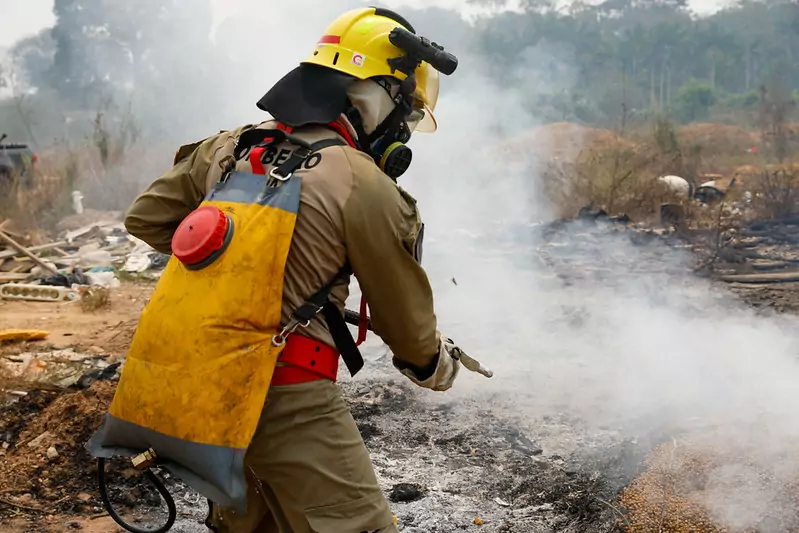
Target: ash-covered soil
x: 555, y: 442
x: 451, y: 466
x: 444, y: 466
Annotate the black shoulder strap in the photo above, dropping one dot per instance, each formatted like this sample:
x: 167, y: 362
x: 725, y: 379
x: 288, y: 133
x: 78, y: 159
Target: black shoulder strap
x: 345, y: 344
x: 320, y: 301
x: 301, y: 154
x: 314, y: 304
x: 263, y: 137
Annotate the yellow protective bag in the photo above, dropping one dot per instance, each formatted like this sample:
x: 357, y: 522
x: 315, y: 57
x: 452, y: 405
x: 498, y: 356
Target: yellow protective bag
x: 197, y: 374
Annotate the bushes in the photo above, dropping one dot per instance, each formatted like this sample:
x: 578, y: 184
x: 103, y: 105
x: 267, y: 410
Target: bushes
x: 775, y: 194
x: 622, y: 178
x: 110, y: 167
x: 694, y: 101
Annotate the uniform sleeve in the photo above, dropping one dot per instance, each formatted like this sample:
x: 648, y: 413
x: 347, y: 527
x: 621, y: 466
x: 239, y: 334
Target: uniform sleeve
x: 157, y: 212
x: 382, y: 227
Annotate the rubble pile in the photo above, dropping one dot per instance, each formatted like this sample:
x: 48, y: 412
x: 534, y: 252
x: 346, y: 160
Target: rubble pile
x: 764, y: 248
x: 58, y: 369
x: 91, y: 254
x: 759, y: 261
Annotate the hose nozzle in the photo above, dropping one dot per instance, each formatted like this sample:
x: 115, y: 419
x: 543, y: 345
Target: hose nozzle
x: 471, y: 363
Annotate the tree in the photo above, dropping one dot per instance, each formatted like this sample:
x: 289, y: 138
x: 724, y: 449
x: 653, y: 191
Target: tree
x: 103, y: 46
x: 694, y: 100
x: 34, y: 57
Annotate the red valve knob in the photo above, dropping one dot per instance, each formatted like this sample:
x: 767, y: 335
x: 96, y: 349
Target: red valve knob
x: 201, y: 235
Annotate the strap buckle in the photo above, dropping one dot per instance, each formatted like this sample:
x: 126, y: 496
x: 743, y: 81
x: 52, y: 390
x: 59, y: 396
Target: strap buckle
x: 279, y: 339
x: 286, y: 170
x: 274, y: 174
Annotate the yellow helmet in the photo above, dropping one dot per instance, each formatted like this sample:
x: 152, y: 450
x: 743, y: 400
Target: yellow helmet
x: 358, y: 44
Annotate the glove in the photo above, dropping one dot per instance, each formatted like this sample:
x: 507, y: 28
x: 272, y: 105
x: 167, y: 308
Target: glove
x: 447, y: 367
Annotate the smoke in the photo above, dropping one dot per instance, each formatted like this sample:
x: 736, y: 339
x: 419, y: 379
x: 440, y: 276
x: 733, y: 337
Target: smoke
x: 640, y: 346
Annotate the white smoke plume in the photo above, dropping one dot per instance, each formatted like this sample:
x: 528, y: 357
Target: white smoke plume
x: 641, y: 347
x: 645, y: 349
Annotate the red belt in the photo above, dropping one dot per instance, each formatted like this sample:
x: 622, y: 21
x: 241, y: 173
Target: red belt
x: 303, y: 360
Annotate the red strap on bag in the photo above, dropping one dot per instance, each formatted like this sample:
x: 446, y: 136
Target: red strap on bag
x: 363, y: 323
x: 255, y: 160
x: 257, y: 153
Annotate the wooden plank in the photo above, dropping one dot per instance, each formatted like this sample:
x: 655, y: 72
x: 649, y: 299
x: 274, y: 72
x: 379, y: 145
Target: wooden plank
x: 40, y: 248
x: 773, y: 277
x: 767, y: 264
x: 6, y: 278
x: 6, y: 223
x: 17, y: 246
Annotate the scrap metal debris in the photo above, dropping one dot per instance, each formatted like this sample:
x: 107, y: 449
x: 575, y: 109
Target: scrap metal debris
x: 59, y: 369
x: 91, y: 255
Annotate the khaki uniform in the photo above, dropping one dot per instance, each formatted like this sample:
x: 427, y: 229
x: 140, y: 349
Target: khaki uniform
x: 307, y: 454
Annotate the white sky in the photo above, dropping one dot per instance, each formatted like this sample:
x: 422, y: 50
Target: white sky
x: 20, y: 18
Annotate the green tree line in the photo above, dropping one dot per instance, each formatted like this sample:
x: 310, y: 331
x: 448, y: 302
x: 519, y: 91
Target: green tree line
x: 583, y: 63
x: 654, y: 56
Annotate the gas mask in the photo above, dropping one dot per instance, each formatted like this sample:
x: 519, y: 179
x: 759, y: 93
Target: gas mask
x: 387, y: 143
x: 390, y: 151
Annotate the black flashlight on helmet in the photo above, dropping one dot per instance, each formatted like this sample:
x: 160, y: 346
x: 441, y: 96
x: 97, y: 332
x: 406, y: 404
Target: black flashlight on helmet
x: 390, y: 150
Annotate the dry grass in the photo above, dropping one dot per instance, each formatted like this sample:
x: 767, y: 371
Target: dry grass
x: 712, y: 485
x: 95, y: 298
x: 109, y: 168
x: 105, y: 187
x: 619, y: 180
x: 620, y: 175
x: 663, y: 499
x: 775, y: 193
x: 719, y: 139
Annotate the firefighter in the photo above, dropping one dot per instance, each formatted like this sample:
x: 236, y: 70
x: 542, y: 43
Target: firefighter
x: 253, y: 297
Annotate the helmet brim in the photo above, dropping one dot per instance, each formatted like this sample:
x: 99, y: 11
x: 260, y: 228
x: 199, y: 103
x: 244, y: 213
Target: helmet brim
x: 309, y: 94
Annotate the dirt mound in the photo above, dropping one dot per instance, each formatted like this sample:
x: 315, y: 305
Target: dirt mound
x: 748, y: 171
x: 700, y: 488
x: 718, y: 138
x: 566, y: 132
x: 563, y: 140
x: 45, y: 459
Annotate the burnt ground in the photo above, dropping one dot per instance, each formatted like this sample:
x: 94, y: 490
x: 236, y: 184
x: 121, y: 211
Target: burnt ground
x: 447, y: 463
x: 445, y: 468
x: 459, y: 462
